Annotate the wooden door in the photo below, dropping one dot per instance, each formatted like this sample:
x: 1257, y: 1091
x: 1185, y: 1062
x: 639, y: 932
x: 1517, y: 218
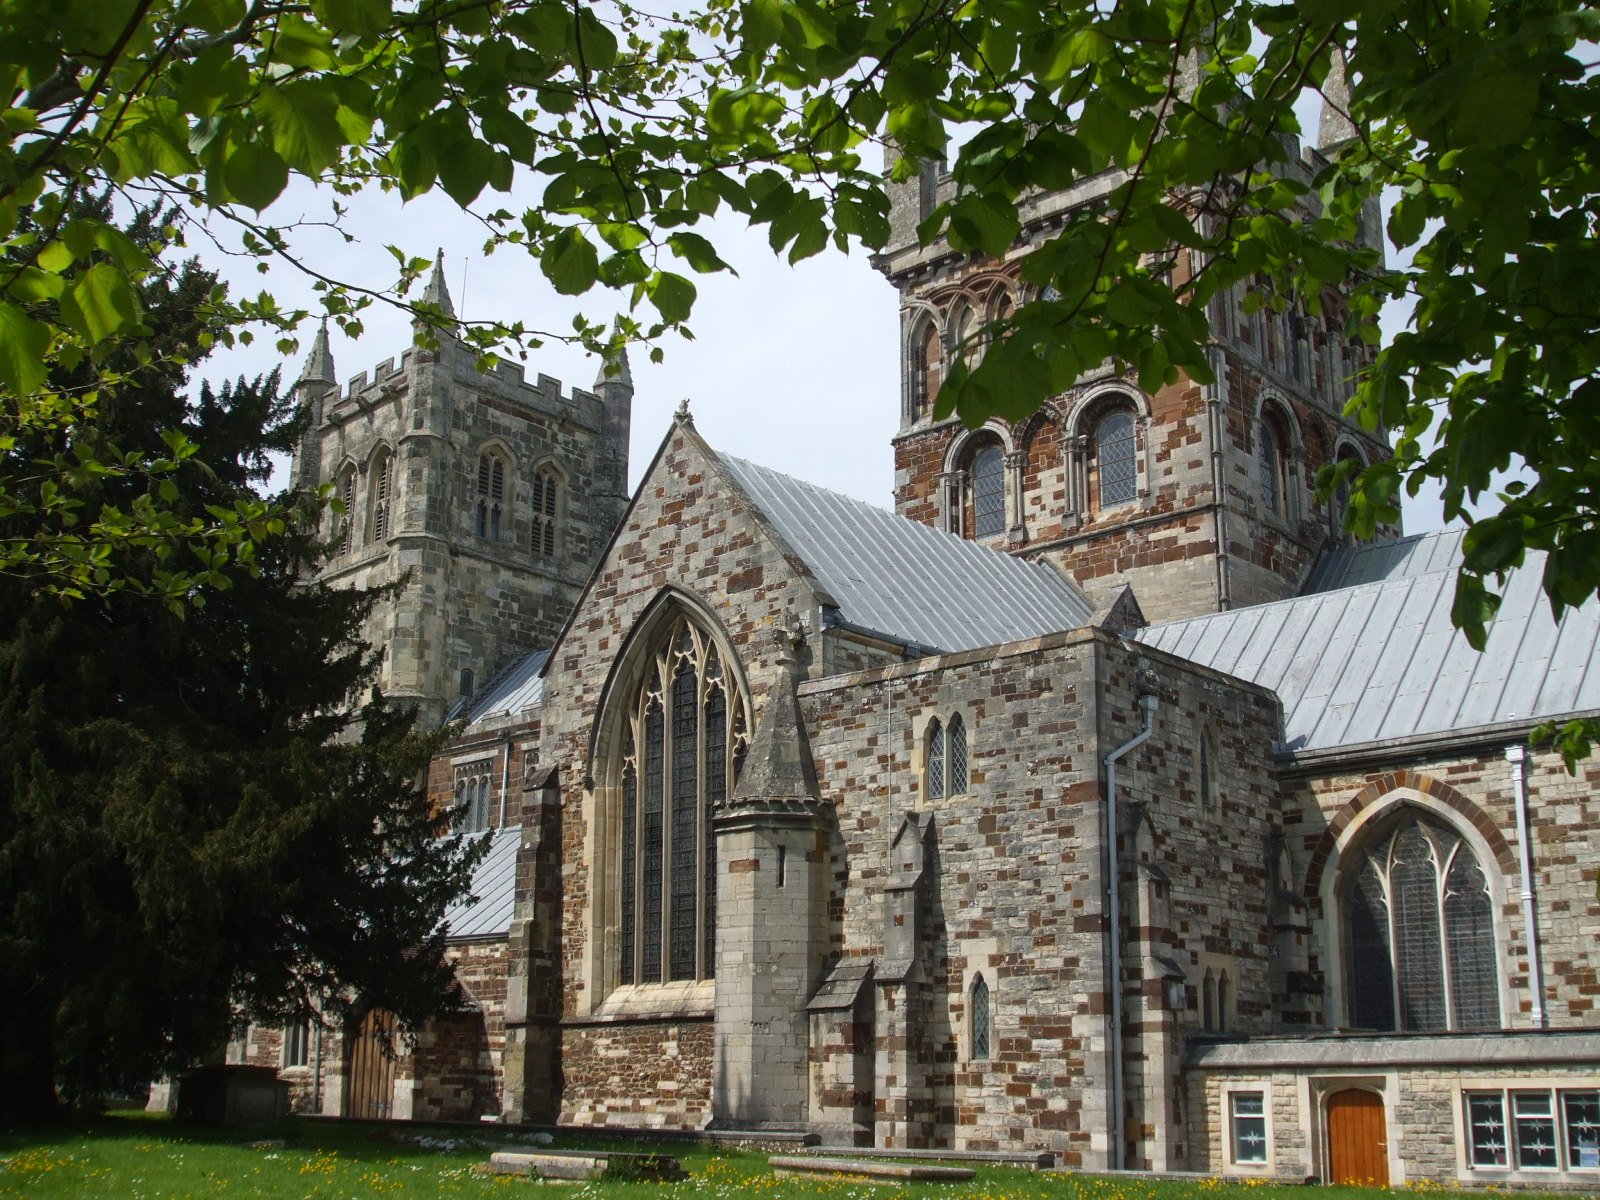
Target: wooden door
x: 369, y: 1087
x: 1358, y: 1142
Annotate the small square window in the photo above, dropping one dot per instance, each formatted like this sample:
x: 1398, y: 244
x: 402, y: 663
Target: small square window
x: 1248, y: 1115
x: 1534, y: 1122
x: 1486, y: 1129
x: 1581, y: 1113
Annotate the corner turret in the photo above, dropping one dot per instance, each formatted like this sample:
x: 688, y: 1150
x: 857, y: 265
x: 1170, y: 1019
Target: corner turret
x: 614, y: 386
x: 318, y: 383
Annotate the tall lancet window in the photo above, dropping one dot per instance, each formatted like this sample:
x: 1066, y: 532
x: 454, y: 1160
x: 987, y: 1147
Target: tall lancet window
x: 491, y: 495
x: 683, y: 744
x: 381, y: 486
x: 546, y: 500
x: 1419, y: 932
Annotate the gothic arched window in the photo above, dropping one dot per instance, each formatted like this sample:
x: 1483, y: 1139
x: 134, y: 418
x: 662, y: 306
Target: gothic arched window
x: 380, y: 486
x: 546, y: 503
x: 981, y: 1020
x: 1208, y: 769
x: 1115, y: 450
x: 945, y: 758
x: 988, y: 474
x: 957, y: 737
x: 474, y: 796
x: 1419, y: 932
x: 346, y: 520
x: 934, y: 762
x: 491, y: 495
x: 683, y: 745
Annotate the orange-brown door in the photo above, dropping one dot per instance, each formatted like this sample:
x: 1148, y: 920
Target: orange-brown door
x: 369, y: 1088
x: 1358, y: 1143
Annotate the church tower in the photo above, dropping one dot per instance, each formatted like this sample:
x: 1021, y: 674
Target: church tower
x: 490, y: 497
x: 1200, y: 497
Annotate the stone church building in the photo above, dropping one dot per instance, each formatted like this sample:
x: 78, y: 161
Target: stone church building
x: 1099, y: 800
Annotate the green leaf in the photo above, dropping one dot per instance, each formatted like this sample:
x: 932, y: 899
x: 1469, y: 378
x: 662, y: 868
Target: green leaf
x: 1497, y: 107
x: 673, y: 295
x: 353, y: 16
x: 100, y: 302
x: 464, y: 169
x: 570, y: 262
x: 697, y: 252
x: 255, y: 175
x: 304, y: 119
x: 23, y: 342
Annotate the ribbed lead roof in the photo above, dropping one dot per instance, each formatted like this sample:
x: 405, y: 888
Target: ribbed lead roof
x: 909, y: 581
x: 487, y: 909
x: 515, y: 687
x: 1419, y: 554
x: 1380, y: 660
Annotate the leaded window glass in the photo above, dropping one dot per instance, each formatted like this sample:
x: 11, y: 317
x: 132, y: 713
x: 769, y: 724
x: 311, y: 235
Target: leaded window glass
x: 1486, y: 1129
x: 1533, y: 1123
x: 1546, y: 1130
x: 958, y: 756
x: 1581, y: 1112
x: 347, y: 493
x: 1248, y: 1115
x: 988, y: 492
x: 296, y: 1044
x: 981, y: 1020
x: 1115, y: 457
x: 1419, y: 933
x: 935, y: 760
x: 683, y: 744
x: 1269, y: 465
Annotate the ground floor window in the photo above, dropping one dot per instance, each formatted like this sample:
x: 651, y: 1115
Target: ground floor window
x: 1534, y: 1129
x: 1247, y: 1115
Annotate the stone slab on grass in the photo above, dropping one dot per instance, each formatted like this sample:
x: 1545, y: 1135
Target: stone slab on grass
x: 875, y: 1170
x: 585, y: 1165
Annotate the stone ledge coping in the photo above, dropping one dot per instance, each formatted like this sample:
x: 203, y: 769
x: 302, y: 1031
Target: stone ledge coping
x: 789, y: 1166
x: 1493, y: 1048
x: 586, y: 1164
x: 1033, y: 1159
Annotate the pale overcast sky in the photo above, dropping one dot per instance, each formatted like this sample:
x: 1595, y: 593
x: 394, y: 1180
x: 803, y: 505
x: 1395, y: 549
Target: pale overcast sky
x: 792, y: 367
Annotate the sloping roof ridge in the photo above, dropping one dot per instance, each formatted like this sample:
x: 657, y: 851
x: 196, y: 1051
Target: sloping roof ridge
x: 476, y: 708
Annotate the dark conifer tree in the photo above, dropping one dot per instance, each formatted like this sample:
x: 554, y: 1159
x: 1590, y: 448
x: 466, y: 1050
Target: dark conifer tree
x: 200, y: 819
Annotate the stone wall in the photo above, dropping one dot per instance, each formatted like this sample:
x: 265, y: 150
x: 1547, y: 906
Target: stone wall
x: 648, y: 1074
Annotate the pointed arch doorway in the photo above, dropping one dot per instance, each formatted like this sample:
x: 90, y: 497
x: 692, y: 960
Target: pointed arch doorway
x: 1358, y: 1139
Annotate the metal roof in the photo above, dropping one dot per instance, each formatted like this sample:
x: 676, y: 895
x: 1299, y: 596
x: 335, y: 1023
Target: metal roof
x: 908, y: 581
x: 1380, y: 660
x: 1420, y: 554
x: 514, y: 688
x: 487, y: 910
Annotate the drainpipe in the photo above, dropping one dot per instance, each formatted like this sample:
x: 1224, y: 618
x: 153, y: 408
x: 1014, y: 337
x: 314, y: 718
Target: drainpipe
x: 505, y: 782
x: 1517, y: 756
x: 1147, y: 708
x: 1215, y: 424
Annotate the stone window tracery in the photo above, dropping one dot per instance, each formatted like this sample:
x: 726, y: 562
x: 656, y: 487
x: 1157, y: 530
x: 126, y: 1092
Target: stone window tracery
x: 683, y: 746
x: 474, y: 796
x: 1419, y: 932
x: 945, y: 758
x: 490, y: 513
x: 546, y: 504
x: 381, y: 475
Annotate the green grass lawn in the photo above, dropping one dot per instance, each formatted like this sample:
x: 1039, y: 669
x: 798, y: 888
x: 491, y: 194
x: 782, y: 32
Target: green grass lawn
x: 143, y: 1158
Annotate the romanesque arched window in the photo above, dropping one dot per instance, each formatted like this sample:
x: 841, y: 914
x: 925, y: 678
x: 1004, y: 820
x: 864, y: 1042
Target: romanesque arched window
x: 980, y: 1020
x: 546, y: 504
x: 683, y: 744
x: 1115, y: 454
x: 490, y: 512
x: 1272, y: 457
x: 346, y: 492
x: 1418, y: 924
x: 380, y: 487
x: 988, y: 474
x: 927, y: 360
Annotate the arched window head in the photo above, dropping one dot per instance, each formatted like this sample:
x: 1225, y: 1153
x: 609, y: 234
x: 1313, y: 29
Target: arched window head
x: 966, y: 335
x: 980, y: 1020
x: 381, y: 487
x: 1207, y: 783
x: 491, y: 503
x: 1208, y: 1003
x: 346, y: 520
x: 925, y: 366
x: 945, y: 758
x: 988, y: 476
x: 1115, y: 448
x: 1271, y: 462
x: 1418, y: 925
x: 474, y: 793
x: 546, y: 504
x: 683, y: 743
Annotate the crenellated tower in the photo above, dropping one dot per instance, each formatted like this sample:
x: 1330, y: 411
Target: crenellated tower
x: 1200, y: 496
x: 489, y: 495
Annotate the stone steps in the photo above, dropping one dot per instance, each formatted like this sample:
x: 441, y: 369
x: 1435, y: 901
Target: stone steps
x: 875, y: 1170
x: 586, y: 1165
